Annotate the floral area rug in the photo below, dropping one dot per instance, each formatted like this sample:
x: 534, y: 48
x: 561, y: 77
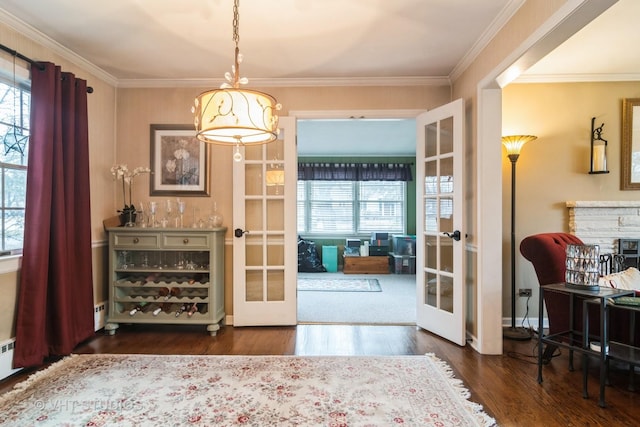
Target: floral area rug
x: 135, y: 390
x: 338, y: 285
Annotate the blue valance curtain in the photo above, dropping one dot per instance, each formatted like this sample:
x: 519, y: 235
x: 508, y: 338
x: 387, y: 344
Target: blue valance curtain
x: 354, y: 172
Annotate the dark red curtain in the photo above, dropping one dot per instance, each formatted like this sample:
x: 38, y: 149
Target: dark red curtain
x: 55, y: 300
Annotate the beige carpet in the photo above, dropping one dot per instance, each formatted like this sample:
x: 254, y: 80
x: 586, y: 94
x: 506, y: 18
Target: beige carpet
x: 394, y: 305
x: 136, y: 390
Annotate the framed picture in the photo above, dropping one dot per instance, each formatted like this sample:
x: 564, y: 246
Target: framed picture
x: 179, y: 161
x: 630, y: 168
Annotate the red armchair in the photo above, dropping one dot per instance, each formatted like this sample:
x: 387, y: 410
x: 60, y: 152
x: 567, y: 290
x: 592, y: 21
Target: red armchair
x: 546, y: 251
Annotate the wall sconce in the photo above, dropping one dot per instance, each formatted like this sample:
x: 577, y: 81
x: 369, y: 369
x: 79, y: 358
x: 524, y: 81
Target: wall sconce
x: 598, y: 149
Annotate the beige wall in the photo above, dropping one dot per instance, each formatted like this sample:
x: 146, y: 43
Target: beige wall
x: 554, y: 168
x: 101, y: 111
x: 127, y: 132
x: 526, y: 20
x: 139, y: 108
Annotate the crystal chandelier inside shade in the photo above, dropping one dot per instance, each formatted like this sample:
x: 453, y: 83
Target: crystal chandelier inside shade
x: 236, y: 116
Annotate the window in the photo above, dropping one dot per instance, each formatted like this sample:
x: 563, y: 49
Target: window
x: 15, y: 106
x: 350, y: 207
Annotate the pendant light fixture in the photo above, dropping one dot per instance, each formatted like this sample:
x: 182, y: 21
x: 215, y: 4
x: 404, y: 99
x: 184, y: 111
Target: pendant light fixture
x: 234, y: 116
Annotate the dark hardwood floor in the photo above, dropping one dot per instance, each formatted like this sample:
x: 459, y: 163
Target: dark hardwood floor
x: 506, y: 386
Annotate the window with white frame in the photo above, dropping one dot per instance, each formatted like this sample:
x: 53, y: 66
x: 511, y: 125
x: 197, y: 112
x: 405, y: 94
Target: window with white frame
x: 15, y: 103
x: 350, y: 207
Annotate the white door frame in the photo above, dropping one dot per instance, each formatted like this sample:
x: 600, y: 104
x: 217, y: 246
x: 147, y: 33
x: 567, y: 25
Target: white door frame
x: 568, y: 19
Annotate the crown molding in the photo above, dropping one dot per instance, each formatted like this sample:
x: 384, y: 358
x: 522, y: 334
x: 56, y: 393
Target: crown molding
x: 291, y: 82
x: 47, y: 42
x: 577, y: 78
x: 500, y: 21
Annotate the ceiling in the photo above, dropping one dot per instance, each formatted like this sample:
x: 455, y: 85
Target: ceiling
x: 145, y: 43
x: 184, y: 40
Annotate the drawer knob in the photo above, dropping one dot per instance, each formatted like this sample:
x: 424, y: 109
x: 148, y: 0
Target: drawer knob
x: 136, y: 240
x: 185, y: 241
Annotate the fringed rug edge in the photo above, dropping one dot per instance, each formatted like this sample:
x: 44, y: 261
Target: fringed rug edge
x: 457, y: 385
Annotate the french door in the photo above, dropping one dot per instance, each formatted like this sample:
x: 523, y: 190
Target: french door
x: 265, y: 251
x: 440, y: 237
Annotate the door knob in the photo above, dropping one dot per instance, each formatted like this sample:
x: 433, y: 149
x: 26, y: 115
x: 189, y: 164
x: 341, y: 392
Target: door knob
x: 239, y: 232
x: 455, y: 235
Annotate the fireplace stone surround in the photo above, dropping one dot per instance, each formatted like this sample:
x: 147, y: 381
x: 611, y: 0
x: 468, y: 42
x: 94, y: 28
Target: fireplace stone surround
x: 604, y: 222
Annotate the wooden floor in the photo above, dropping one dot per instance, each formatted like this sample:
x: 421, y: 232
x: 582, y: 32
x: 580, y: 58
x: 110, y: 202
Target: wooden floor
x: 506, y: 386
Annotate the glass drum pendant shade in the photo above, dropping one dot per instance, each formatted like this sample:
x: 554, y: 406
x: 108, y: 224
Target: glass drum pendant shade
x: 274, y: 177
x: 236, y: 116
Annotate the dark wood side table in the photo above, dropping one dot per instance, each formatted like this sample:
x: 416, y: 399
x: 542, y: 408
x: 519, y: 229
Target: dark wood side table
x: 576, y: 340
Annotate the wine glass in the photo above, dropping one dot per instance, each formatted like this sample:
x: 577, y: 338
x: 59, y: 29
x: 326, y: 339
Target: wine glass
x: 169, y: 212
x: 124, y: 262
x: 141, y: 218
x: 182, y: 206
x: 215, y: 218
x: 153, y: 208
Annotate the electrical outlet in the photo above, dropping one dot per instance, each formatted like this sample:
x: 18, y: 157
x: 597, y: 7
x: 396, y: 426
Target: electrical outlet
x: 524, y: 292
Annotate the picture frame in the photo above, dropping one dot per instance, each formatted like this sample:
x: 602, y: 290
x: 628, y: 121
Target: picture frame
x: 179, y: 161
x: 630, y: 159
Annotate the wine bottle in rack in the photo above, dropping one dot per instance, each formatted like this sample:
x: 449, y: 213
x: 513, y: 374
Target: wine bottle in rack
x: 175, y: 292
x: 184, y: 307
x: 193, y: 309
x: 137, y: 307
x: 163, y: 292
x: 157, y: 310
x: 153, y: 277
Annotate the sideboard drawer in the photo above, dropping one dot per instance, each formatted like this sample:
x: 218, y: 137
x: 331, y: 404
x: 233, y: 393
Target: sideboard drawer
x: 185, y: 241
x: 139, y: 241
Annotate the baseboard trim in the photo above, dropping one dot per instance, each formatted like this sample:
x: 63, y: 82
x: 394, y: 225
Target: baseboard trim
x: 526, y: 322
x: 99, y: 312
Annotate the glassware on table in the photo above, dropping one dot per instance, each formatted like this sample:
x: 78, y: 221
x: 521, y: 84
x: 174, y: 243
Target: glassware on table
x: 124, y: 262
x: 153, y: 209
x: 196, y: 220
x: 182, y: 206
x: 141, y: 218
x: 169, y: 213
x: 215, y: 217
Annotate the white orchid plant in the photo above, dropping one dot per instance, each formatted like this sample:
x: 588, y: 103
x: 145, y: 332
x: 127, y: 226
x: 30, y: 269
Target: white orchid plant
x: 127, y: 176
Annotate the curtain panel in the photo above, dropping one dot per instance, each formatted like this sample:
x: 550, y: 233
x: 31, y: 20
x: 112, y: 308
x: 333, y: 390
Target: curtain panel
x: 55, y: 299
x: 354, y: 172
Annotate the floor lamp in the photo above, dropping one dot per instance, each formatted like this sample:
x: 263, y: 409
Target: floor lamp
x: 513, y: 144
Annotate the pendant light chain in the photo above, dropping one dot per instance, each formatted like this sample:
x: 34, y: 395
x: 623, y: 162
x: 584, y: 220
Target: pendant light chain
x: 236, y: 22
x: 236, y: 39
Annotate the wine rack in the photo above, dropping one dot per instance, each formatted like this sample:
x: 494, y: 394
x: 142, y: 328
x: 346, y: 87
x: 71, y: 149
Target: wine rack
x: 166, y: 276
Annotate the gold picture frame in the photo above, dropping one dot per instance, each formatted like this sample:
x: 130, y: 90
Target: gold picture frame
x: 179, y: 161
x: 630, y: 150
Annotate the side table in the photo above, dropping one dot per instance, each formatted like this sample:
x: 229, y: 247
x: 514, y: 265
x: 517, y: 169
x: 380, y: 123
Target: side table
x: 575, y: 340
x: 626, y: 352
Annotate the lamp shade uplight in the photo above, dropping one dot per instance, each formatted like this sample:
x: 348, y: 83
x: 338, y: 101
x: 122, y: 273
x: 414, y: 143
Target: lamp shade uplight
x: 236, y: 116
x: 514, y: 143
x: 274, y: 177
